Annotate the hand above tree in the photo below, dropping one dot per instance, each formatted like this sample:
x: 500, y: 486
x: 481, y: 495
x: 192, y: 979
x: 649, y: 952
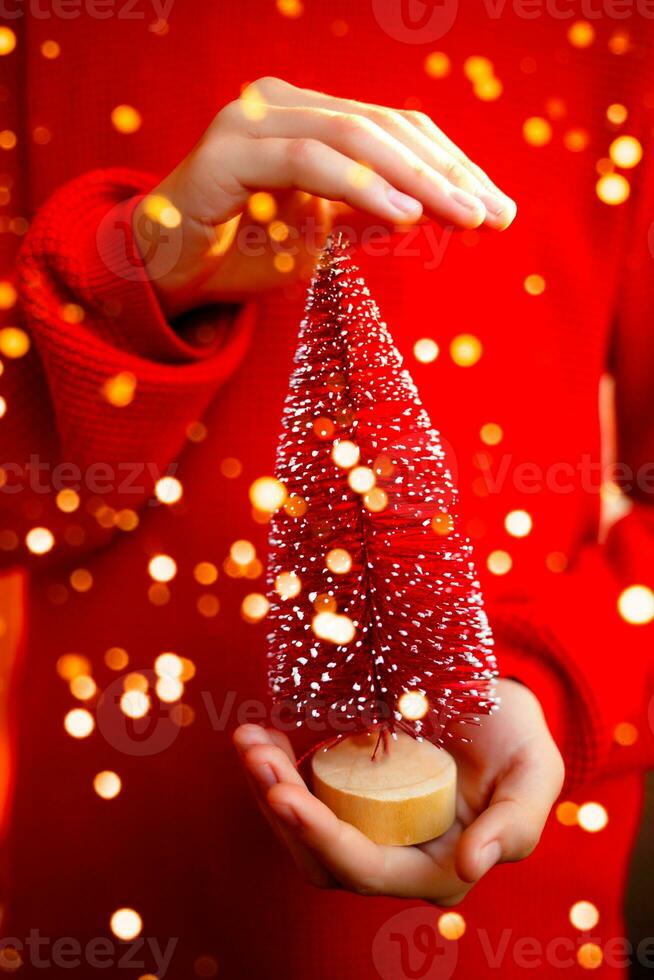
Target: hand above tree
x: 510, y: 774
x: 306, y: 148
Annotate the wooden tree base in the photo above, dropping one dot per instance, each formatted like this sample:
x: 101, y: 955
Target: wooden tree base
x: 405, y: 795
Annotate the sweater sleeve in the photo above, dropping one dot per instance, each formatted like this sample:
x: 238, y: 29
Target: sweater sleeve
x: 99, y: 389
x: 585, y: 651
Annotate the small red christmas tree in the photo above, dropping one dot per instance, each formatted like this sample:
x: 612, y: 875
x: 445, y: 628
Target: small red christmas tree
x: 377, y: 614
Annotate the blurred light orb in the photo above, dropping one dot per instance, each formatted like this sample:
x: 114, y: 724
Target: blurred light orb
x: 267, y: 494
x: 168, y: 665
x: 7, y: 40
x: 14, y: 342
x: 584, y: 916
x: 126, y: 924
x: 79, y: 723
x: 437, y: 64
x: 333, y: 627
x: 413, y: 705
x: 626, y: 152
x: 39, y: 540
x: 465, y: 350
x: 254, y: 607
x: 168, y: 490
x: 425, y: 350
x: 107, y: 784
x: 590, y: 956
x: 518, y: 523
x: 499, y: 562
x: 361, y: 479
x: 134, y: 704
x: 491, y: 434
x: 534, y: 284
x: 537, y: 131
x: 288, y: 585
x: 338, y: 561
x: 345, y: 454
x: 162, y: 568
x: 126, y: 119
x: 581, y: 34
x: 451, y: 925
x: 636, y: 605
x: 612, y: 189
x: 592, y: 817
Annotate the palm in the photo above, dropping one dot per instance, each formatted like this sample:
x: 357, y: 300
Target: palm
x: 509, y: 774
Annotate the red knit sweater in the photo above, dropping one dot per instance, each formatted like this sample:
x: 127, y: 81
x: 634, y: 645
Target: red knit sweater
x: 183, y: 843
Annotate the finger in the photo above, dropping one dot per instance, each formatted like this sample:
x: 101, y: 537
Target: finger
x: 510, y: 828
x: 252, y: 741
x: 430, y: 130
x: 437, y: 181
x: 246, y: 736
x: 412, y: 129
x: 354, y: 860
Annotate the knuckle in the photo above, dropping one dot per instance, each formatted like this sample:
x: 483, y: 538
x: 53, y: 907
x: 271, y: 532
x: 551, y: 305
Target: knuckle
x: 352, y: 126
x: 301, y: 150
x: 270, y: 83
x: 416, y: 116
x: 454, y: 172
x: 230, y: 113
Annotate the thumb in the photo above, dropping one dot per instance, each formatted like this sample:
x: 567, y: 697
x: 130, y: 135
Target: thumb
x: 510, y: 828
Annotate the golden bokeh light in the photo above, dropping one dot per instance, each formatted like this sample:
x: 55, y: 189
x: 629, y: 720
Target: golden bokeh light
x: 491, y: 434
x: 499, y: 562
x: 83, y: 687
x: 338, y: 561
x: 39, y: 540
x: 242, y: 552
x: 162, y: 211
x: 537, y: 131
x: 162, y: 568
x: 361, y: 479
x: 556, y: 562
x: 254, y: 607
x: 7, y: 139
x: 71, y: 665
x: 334, y: 628
x: 518, y: 523
x: 7, y: 40
x: 14, y: 342
x: 534, y: 284
x: 50, y: 50
x: 116, y: 658
x: 262, y: 206
x: 79, y: 723
x: 168, y: 665
x: 107, y: 784
x: 576, y: 140
x: 626, y: 152
x: 465, y: 350
x: 290, y: 8
x: 636, y: 605
x: 488, y: 89
x: 169, y: 689
x: 8, y: 295
x: 208, y: 605
x: 323, y: 427
x: 267, y: 494
x: 451, y: 925
x: 288, y: 585
x: 120, y: 389
x: 476, y: 68
x: 126, y: 119
x: 81, y: 580
x: 567, y: 813
x: 613, y: 188
x: 345, y: 454
x: 376, y: 500
x: 625, y: 734
x: 168, y: 490
x: 126, y: 924
x: 581, y: 34
x: 617, y: 114
x: 413, y: 705
x: 68, y: 501
x: 205, y: 572
x: 584, y: 916
x: 592, y: 817
x: 134, y: 703
x: 425, y: 350
x: 442, y: 524
x: 590, y: 956
x: 437, y: 64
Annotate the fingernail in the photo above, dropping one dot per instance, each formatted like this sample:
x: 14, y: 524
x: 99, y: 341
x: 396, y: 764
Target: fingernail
x: 402, y: 202
x: 264, y: 775
x: 286, y: 814
x: 493, y: 204
x: 489, y: 856
x: 467, y: 201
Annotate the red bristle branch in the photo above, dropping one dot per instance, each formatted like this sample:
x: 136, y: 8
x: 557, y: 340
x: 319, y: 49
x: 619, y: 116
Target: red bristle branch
x: 402, y: 632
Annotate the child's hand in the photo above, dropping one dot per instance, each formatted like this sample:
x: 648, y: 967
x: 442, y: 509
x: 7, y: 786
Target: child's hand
x: 304, y: 147
x: 509, y: 774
